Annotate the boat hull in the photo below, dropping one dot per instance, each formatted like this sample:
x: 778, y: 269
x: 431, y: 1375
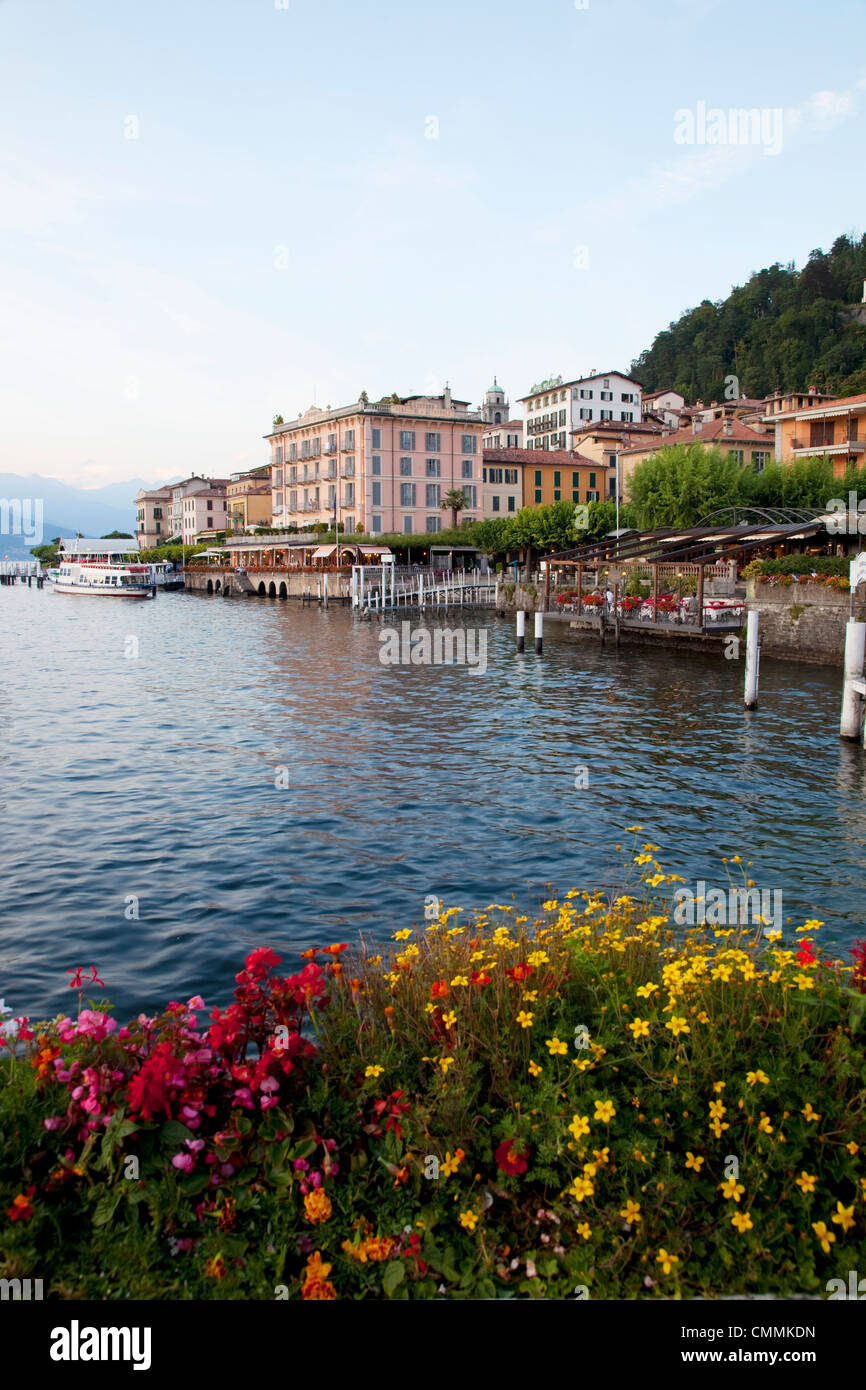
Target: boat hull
x: 91, y: 591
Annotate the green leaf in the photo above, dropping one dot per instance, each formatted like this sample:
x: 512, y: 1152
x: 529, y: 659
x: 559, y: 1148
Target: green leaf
x: 173, y: 1134
x: 395, y: 1273
x: 107, y: 1206
x: 195, y: 1183
x: 303, y: 1148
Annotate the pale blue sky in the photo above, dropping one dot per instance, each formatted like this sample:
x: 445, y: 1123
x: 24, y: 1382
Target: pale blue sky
x: 147, y: 328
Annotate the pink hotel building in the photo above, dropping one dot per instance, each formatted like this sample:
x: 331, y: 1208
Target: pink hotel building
x: 389, y: 464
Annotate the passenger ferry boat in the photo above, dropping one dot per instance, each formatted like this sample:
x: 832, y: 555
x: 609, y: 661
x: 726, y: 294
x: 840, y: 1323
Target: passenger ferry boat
x: 104, y: 569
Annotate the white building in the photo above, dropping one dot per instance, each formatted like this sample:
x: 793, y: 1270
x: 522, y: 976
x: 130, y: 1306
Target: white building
x: 555, y: 409
x: 666, y: 405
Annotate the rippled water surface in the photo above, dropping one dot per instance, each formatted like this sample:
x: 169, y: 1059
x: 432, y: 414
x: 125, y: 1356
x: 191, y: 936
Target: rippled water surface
x: 155, y: 777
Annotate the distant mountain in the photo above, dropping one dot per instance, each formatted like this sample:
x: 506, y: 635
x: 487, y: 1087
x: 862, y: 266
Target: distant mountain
x: 93, y: 512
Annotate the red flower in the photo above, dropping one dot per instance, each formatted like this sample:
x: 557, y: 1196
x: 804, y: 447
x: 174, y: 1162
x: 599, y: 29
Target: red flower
x: 438, y: 990
x: 519, y: 972
x: 806, y: 953
x: 148, y: 1089
x: 21, y: 1210
x: 479, y: 978
x: 510, y: 1158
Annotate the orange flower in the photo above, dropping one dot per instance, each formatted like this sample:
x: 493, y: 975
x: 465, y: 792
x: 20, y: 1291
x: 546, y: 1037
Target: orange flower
x: 311, y: 954
x: 401, y: 1176
x: 389, y: 1016
x: 227, y: 1215
x: 336, y: 968
x: 438, y: 990
x: 216, y: 1267
x: 335, y: 950
x: 316, y: 1284
x: 317, y: 1206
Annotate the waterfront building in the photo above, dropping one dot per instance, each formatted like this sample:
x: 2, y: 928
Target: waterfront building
x: 742, y: 442
x: 554, y: 410
x: 387, y: 464
x: 835, y: 427
x: 502, y: 481
x: 544, y: 476
x: 154, y: 516
x: 248, y: 499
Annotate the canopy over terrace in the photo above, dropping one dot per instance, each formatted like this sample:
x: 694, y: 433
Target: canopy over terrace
x: 705, y: 544
x: 293, y: 552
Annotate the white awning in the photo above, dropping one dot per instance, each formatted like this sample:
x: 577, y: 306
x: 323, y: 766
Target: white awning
x: 376, y: 550
x: 323, y: 551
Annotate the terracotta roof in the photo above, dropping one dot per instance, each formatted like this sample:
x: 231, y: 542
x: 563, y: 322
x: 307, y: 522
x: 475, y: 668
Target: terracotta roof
x: 833, y: 403
x: 713, y: 431
x: 564, y: 458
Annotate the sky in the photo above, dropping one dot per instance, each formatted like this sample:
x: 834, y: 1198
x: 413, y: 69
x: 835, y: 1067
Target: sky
x: 211, y: 212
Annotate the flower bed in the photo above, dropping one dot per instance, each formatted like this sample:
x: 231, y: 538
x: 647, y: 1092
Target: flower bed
x: 496, y: 1107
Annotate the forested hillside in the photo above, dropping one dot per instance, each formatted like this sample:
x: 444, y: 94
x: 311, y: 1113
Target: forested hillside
x: 783, y: 327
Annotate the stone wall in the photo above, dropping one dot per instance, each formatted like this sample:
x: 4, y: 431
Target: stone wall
x: 802, y: 622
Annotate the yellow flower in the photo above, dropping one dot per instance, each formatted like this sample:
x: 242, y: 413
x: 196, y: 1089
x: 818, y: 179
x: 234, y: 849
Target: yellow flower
x: 754, y: 1076
x: 764, y: 1125
x: 403, y: 935
x: 580, y: 1188
x: 530, y: 996
x: 631, y: 1212
x: 590, y: 1170
x: 693, y: 1162
x: 639, y: 1027
x: 449, y: 1019
x: 826, y: 1237
x: 717, y: 1109
x: 554, y: 1046
x: 852, y: 1147
x: 584, y: 1229
x: 449, y: 1165
x: 742, y: 1220
x: 806, y: 1181
x: 525, y: 1019
x: 804, y: 981
x: 460, y: 980
x: 601, y: 1156
x: 534, y: 1069
x: 579, y: 1126
x: 731, y: 1188
x: 703, y: 1016
x: 469, y: 1219
x: 640, y: 1156
x: 646, y: 990
x: 667, y: 1261
x: 677, y: 1026
x: 538, y: 958
x: 445, y: 1062
x: 604, y: 1111
x: 374, y: 1071
x: 719, y: 1086
x: 317, y: 1206
x: 811, y: 1116
x: 844, y: 1216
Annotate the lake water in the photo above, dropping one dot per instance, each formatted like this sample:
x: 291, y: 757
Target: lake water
x: 153, y: 777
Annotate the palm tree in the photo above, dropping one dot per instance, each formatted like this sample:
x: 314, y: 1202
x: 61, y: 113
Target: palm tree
x: 454, y: 501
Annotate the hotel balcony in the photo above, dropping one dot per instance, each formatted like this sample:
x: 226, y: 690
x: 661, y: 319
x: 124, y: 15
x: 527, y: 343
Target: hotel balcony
x: 800, y: 449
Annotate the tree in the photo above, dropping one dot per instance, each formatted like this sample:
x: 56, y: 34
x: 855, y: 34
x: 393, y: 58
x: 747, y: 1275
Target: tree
x: 278, y: 420
x: 453, y: 501
x: 364, y: 398
x: 118, y: 536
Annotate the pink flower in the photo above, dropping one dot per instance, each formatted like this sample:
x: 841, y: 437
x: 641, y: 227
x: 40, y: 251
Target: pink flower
x: 184, y: 1161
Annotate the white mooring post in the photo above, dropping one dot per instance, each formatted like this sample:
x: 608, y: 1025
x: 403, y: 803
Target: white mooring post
x: 853, y: 687
x: 420, y: 592
x: 539, y: 632
x: 325, y: 582
x: 521, y: 629
x: 753, y: 660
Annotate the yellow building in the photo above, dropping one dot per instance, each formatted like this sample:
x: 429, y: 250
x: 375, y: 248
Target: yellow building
x: 249, y: 499
x: 744, y: 443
